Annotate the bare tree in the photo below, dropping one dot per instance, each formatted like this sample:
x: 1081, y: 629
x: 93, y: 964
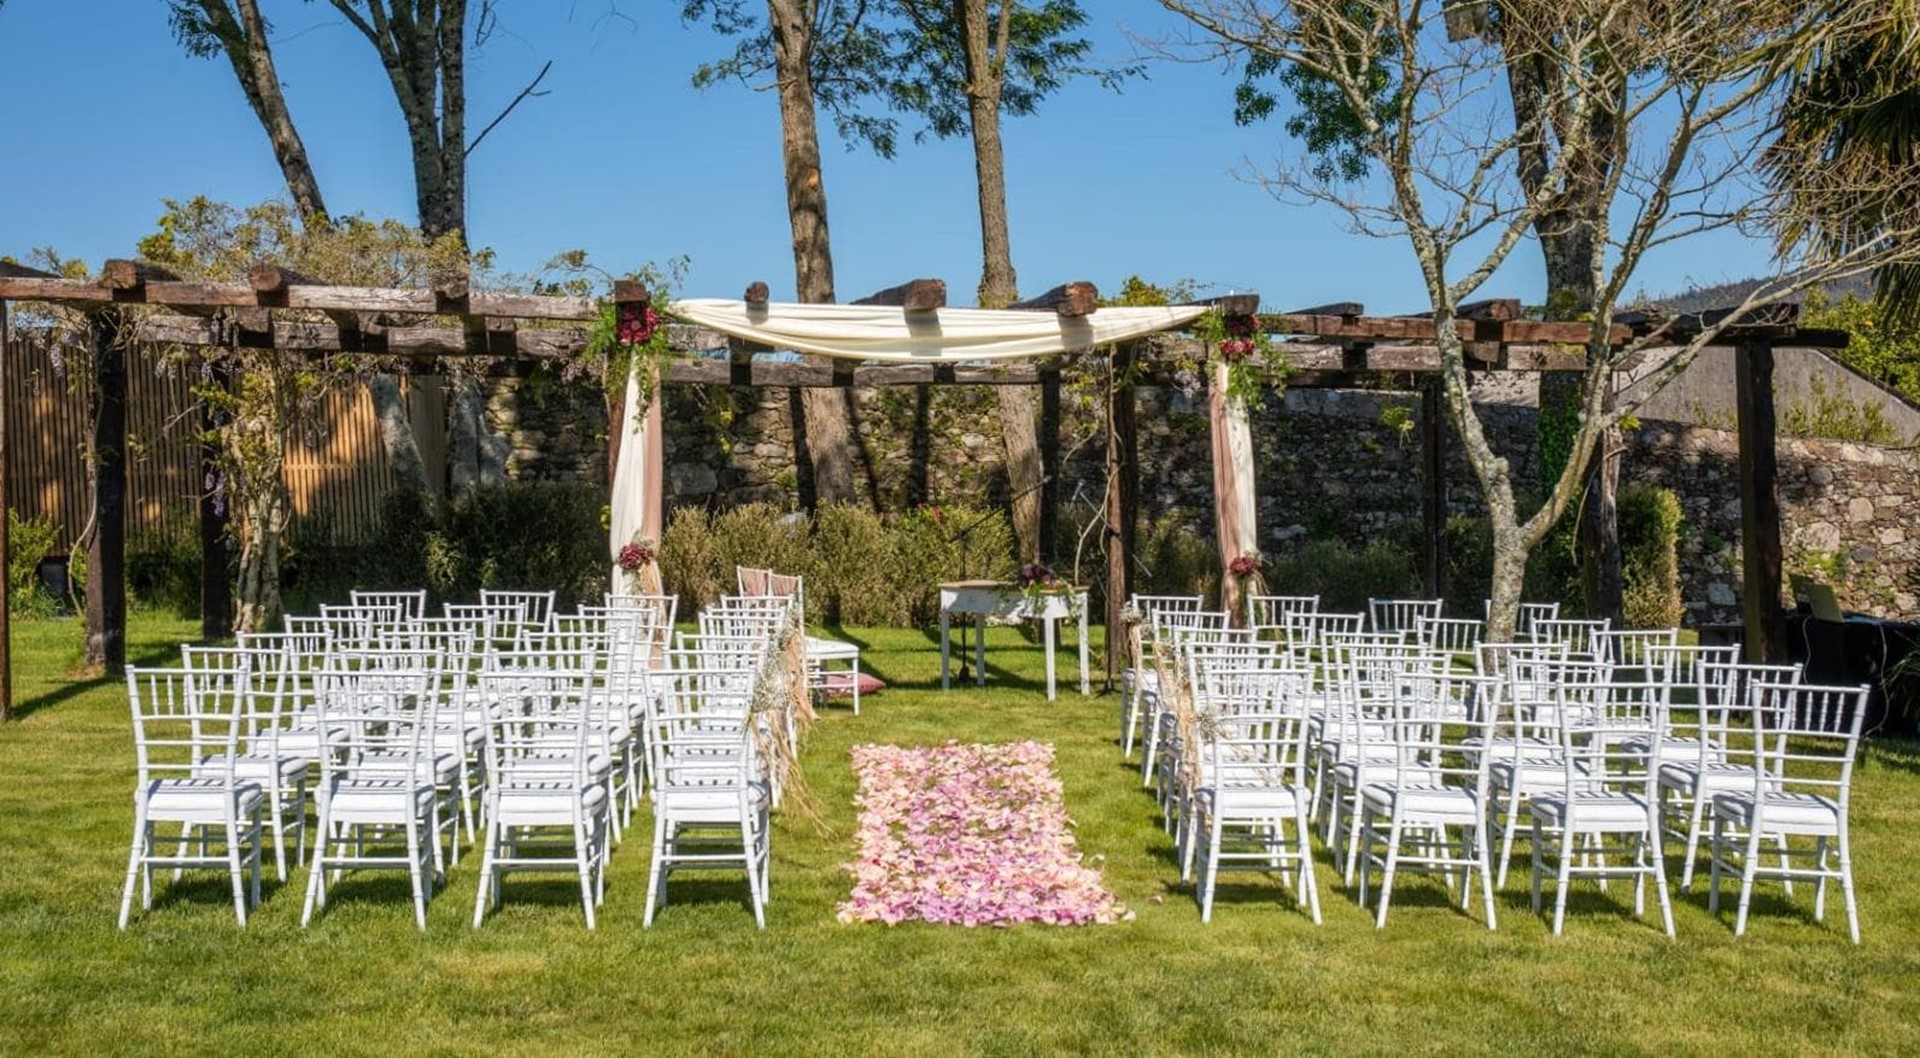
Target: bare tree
x: 1660, y: 107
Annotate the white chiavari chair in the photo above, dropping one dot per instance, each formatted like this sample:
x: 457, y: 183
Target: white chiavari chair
x: 547, y: 807
x: 1400, y: 615
x: 185, y: 748
x: 1433, y: 806
x: 1805, y: 741
x: 378, y: 793
x: 1605, y: 803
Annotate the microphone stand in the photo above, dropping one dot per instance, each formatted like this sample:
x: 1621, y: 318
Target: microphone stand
x: 963, y: 538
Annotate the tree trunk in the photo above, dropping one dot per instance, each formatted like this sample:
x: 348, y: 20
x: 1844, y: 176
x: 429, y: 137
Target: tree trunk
x: 1019, y: 427
x: 245, y: 42
x: 824, y: 410
x: 1568, y: 252
x: 1509, y: 577
x: 396, y: 433
x: 1019, y: 405
x: 258, y: 605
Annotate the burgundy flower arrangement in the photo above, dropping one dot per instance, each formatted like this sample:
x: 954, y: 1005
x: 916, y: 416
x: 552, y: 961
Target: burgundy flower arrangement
x: 636, y: 325
x: 637, y: 556
x: 1244, y: 566
x: 1238, y: 342
x: 1038, y: 575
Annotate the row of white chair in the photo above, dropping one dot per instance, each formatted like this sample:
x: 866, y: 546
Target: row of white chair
x: 1600, y: 756
x: 541, y: 737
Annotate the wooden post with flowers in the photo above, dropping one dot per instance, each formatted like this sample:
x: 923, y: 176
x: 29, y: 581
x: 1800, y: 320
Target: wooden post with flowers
x: 634, y: 368
x: 1238, y: 353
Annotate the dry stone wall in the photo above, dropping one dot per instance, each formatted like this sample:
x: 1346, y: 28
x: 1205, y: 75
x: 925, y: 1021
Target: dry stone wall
x: 1330, y: 463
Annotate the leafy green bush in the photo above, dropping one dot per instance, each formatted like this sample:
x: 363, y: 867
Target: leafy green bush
x: 536, y: 535
x: 1177, y: 560
x: 163, y: 573
x: 1345, y: 576
x: 853, y: 578
x: 29, y: 540
x: 861, y: 568
x: 1650, y: 519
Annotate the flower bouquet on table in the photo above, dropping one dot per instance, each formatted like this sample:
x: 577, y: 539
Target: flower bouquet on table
x: 1038, y: 581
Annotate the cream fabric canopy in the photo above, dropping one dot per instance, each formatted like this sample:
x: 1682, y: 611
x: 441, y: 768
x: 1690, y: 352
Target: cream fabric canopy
x: 881, y: 332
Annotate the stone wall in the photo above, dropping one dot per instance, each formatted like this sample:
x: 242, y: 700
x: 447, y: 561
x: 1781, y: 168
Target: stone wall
x: 1330, y: 463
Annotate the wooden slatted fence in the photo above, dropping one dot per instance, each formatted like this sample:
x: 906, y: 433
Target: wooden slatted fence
x: 336, y: 478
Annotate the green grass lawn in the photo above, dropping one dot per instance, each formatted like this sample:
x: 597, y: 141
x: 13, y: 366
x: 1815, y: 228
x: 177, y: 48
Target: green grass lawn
x: 1260, y: 979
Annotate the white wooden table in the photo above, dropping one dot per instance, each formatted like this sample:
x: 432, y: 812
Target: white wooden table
x: 981, y: 599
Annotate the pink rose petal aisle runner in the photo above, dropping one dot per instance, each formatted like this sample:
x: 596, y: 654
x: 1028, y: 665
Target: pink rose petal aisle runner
x: 971, y: 835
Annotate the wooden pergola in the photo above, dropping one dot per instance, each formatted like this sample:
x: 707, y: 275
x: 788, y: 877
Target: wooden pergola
x: 1334, y: 345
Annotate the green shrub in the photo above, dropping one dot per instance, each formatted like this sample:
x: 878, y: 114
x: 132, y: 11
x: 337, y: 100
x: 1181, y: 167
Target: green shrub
x: 28, y: 541
x: 853, y: 578
x: 1650, y: 519
x: 1344, y: 576
x: 690, y: 563
x: 924, y: 554
x: 163, y: 573
x: 1177, y: 559
x: 536, y: 535
x: 861, y: 568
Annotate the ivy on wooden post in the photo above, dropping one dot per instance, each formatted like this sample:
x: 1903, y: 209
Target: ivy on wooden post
x: 1123, y: 479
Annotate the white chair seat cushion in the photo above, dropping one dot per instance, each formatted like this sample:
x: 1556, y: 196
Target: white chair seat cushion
x: 521, y: 802
x: 260, y: 767
x: 1718, y: 775
x: 1252, y: 799
x: 831, y: 650
x: 376, y: 799
x: 708, y: 804
x: 199, y: 800
x: 1781, y: 811
x: 1528, y: 773
x: 1596, y: 811
x: 1423, y: 800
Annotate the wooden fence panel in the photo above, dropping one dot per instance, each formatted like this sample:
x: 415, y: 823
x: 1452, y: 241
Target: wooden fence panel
x: 336, y: 477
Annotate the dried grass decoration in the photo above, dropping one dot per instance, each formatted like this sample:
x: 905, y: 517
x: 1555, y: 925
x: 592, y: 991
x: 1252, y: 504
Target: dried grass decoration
x: 781, y: 713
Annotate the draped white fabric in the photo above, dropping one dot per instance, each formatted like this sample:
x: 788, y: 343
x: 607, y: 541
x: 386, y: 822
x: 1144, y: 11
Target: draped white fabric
x: 878, y: 332
x: 634, y: 501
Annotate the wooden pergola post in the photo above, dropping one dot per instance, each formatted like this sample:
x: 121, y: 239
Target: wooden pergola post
x: 1760, y: 553
x: 1050, y: 464
x: 106, y: 644
x: 216, y: 579
x: 1433, y: 489
x: 6, y: 539
x: 1123, y: 479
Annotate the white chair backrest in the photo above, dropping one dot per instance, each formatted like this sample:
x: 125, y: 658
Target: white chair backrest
x: 535, y: 606
x: 1399, y: 615
x: 404, y: 605
x: 1270, y: 611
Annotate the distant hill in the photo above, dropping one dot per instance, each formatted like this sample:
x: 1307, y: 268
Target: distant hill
x: 1727, y: 295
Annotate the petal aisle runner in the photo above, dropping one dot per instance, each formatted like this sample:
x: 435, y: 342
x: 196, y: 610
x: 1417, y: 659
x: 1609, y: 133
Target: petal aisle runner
x: 968, y: 834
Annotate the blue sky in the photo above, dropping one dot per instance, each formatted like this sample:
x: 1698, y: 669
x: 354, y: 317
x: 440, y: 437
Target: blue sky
x: 624, y: 159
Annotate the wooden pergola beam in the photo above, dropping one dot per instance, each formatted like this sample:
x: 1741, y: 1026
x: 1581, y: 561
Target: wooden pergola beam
x: 125, y: 276
x: 10, y: 270
x: 915, y: 295
x: 1232, y: 304
x: 1078, y: 298
x: 148, y: 289
x: 1337, y: 308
